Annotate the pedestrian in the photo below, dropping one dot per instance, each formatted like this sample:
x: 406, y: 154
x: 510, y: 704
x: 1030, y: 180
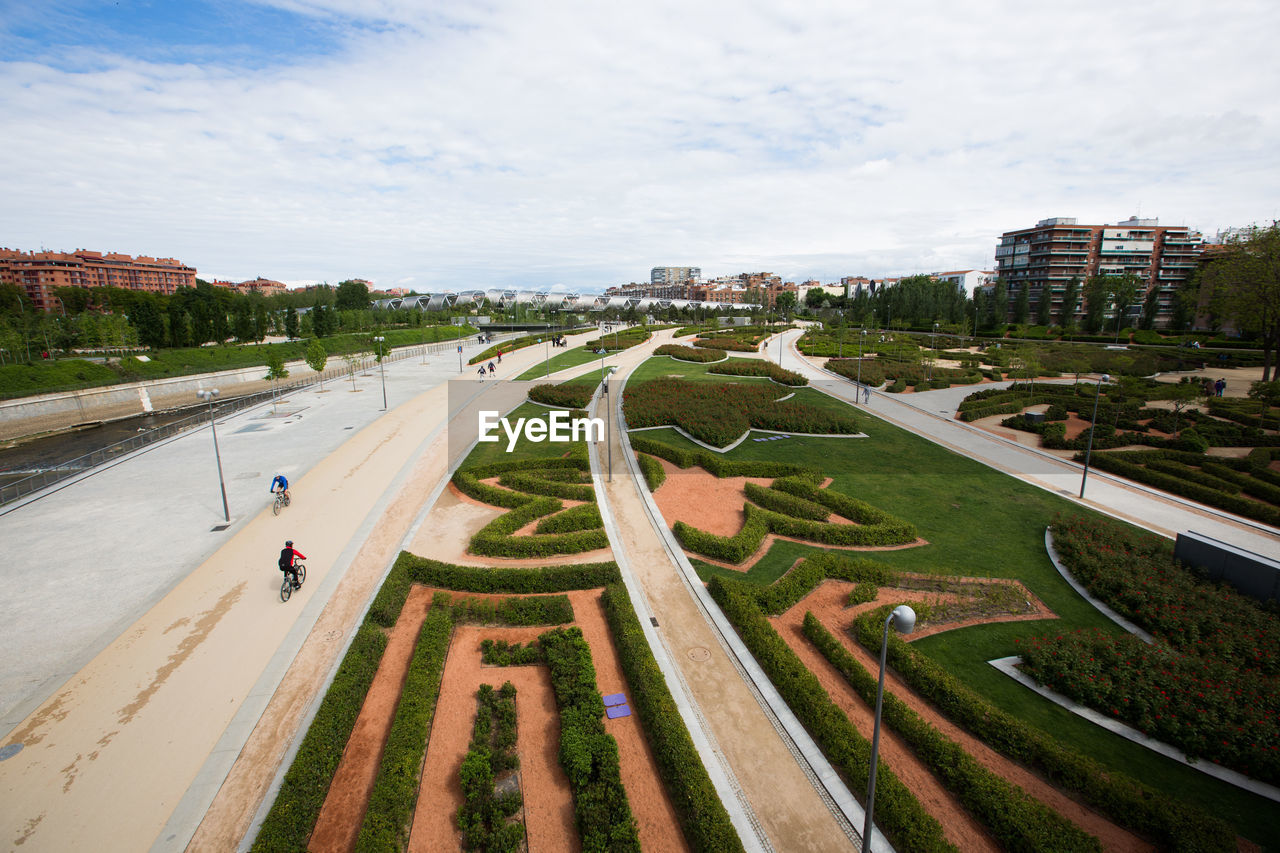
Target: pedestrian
x: 491, y: 368
x: 499, y: 356
x: 866, y: 393
x: 481, y: 372
x: 1220, y: 386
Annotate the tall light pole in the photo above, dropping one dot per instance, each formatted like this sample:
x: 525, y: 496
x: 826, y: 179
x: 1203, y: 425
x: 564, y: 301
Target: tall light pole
x: 1092, y: 426
x: 208, y: 397
x: 608, y: 420
x: 905, y: 619
x: 862, y: 336
x: 378, y: 339
x: 935, y: 350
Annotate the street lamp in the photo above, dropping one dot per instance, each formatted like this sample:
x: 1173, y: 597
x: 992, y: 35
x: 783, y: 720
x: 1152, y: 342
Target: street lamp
x: 208, y: 397
x: 378, y: 339
x: 862, y: 336
x: 608, y: 421
x: 1092, y: 426
x: 905, y: 619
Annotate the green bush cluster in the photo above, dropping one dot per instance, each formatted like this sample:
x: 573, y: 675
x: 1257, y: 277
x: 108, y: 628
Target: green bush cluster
x: 872, y: 371
x: 774, y: 498
x: 757, y: 367
x: 715, y: 463
x: 523, y: 581
x: 654, y: 474
x: 694, y: 354
x: 536, y: 482
x: 515, y: 610
x: 502, y: 653
x: 620, y: 340
x: 293, y: 815
x: 1016, y: 820
x: 863, y: 593
x: 1173, y: 824
x: 723, y: 343
x: 507, y: 347
x: 497, y: 539
x: 703, y: 818
x: 803, y: 578
x: 719, y: 413
x: 485, y: 816
x: 898, y: 813
x: 567, y: 395
x: 581, y: 517
x: 1116, y: 463
x: 390, y: 813
x: 588, y: 753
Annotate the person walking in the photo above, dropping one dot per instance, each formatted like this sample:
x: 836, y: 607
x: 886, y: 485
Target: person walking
x: 866, y: 393
x: 491, y: 368
x: 1220, y: 386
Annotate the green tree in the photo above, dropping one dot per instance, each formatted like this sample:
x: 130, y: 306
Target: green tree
x: 275, y: 369
x: 785, y: 302
x: 1181, y: 396
x: 179, y: 325
x: 1124, y: 291
x: 291, y: 321
x: 1000, y: 302
x: 261, y: 323
x: 317, y: 357
x: 1245, y: 286
x: 814, y: 297
x: 147, y: 319
x: 1096, y: 298
x: 1022, y: 305
x: 243, y: 321
x: 1150, y: 308
x: 352, y: 296
x: 1268, y: 394
x: 1070, y: 296
x: 1044, y: 306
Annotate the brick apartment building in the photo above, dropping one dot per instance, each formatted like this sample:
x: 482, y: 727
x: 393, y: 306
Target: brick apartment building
x: 1045, y: 257
x: 39, y: 273
x: 260, y: 285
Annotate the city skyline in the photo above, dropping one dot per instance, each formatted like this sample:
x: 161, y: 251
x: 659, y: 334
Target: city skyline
x: 563, y: 146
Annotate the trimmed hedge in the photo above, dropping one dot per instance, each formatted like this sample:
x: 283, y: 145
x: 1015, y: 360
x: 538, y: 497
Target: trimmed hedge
x: 654, y: 474
x: 566, y: 395
x: 717, y: 464
x: 803, y: 578
x: 1173, y: 824
x: 703, y: 818
x: 1115, y: 464
x: 694, y: 354
x: 484, y: 814
x: 787, y: 504
x: 872, y: 372
x: 582, y: 517
x: 516, y: 610
x: 535, y: 483
x: 292, y: 817
x: 522, y: 581
x: 1015, y: 819
x: 391, y: 803
x: 759, y: 367
x: 899, y: 814
x: 502, y: 653
x: 588, y: 753
x: 496, y: 538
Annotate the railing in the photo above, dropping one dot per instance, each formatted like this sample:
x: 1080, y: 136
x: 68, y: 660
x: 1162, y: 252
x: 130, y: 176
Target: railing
x: 66, y: 469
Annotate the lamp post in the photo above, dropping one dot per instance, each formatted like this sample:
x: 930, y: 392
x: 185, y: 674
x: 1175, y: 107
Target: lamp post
x: 905, y: 620
x: 382, y: 370
x: 208, y: 397
x: 547, y: 368
x: 862, y: 336
x: 608, y: 421
x: 1092, y: 426
x: 935, y: 350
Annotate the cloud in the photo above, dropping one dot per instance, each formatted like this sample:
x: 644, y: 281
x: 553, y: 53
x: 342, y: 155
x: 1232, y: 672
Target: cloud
x: 518, y: 144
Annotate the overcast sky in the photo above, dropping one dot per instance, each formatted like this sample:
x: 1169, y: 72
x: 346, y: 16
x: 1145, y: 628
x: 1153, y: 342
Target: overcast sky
x: 574, y: 145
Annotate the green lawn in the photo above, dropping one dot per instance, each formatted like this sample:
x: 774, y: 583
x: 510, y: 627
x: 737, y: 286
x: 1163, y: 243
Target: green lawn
x: 978, y: 522
x: 487, y: 452
x: 561, y: 361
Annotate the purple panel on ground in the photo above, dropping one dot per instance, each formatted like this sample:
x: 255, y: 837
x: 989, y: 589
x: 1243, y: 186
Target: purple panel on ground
x: 617, y: 711
x: 614, y: 699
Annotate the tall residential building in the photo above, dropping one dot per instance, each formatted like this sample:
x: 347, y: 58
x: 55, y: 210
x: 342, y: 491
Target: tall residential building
x: 39, y: 273
x: 1047, y: 256
x: 674, y: 275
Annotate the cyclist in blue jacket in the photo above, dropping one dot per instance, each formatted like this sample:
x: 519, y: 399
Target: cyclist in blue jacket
x: 283, y: 483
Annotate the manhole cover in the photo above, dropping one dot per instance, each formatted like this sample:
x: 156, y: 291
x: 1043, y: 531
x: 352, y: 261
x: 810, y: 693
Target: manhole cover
x: 698, y: 653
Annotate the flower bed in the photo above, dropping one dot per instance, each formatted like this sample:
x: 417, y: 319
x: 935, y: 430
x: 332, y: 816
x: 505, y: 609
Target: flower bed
x: 757, y: 367
x: 683, y: 353
x: 871, y: 373
x: 718, y: 414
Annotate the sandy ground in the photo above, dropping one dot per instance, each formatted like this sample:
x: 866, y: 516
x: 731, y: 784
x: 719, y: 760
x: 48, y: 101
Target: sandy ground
x: 827, y: 602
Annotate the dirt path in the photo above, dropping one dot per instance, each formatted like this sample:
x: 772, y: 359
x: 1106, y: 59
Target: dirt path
x: 827, y: 603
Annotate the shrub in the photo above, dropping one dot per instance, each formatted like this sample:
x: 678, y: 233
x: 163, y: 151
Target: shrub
x: 522, y: 581
x: 484, y: 815
x: 502, y: 653
x: 695, y: 354
x: 566, y: 395
x: 871, y: 373
x: 760, y: 368
x: 582, y: 517
x: 654, y: 474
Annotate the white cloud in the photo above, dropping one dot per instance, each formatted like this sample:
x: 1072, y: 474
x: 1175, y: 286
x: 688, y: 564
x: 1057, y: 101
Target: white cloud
x: 561, y: 142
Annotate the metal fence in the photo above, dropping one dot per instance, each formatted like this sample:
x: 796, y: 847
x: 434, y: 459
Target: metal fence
x: 66, y: 469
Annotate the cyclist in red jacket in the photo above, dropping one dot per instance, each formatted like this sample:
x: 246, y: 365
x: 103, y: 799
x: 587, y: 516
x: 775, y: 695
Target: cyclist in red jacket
x: 287, y: 556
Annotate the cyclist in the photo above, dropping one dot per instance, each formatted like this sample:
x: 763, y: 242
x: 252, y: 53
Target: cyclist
x: 283, y: 482
x: 287, y: 556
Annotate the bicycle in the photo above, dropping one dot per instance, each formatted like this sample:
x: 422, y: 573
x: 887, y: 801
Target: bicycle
x: 287, y: 587
x: 282, y: 501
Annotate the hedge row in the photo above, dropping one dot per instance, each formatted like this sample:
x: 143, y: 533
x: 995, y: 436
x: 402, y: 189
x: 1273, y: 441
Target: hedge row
x: 892, y: 530
x: 722, y: 343
x: 787, y: 504
x: 391, y: 803
x: 654, y: 474
x: 502, y: 653
x: 899, y: 814
x: 566, y: 395
x: 695, y: 354
x: 805, y: 577
x: 410, y: 568
x: 515, y: 610
x: 497, y: 539
x: 582, y: 517
x: 468, y: 480
x: 484, y: 816
x: 533, y: 482
x: 588, y: 753
x: 507, y: 347
x: 1177, y: 485
x: 1015, y: 819
x: 703, y: 818
x: 889, y: 532
x: 1173, y: 824
x: 714, y: 463
x: 292, y: 817
x: 871, y: 372
x: 760, y: 368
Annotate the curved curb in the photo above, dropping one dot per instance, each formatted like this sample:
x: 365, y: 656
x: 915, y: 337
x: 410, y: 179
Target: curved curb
x: 1087, y: 596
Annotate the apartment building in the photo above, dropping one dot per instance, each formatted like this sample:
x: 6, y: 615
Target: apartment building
x: 1045, y: 257
x: 675, y: 275
x: 967, y: 280
x: 40, y: 273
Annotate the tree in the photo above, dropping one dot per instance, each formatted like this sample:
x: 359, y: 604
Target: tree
x: 1070, y: 296
x: 275, y: 370
x: 352, y: 296
x: 317, y: 356
x: 179, y: 325
x: 147, y: 319
x: 1124, y: 290
x: 260, y: 321
x: 814, y: 297
x: 291, y: 321
x: 1268, y: 394
x: 785, y: 302
x: 1044, y: 306
x: 1096, y: 297
x: 1180, y: 397
x: 1245, y: 286
x: 1022, y: 305
x: 1000, y: 302
x: 1150, y: 307
x: 243, y: 322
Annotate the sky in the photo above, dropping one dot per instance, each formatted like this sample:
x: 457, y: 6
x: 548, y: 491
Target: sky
x: 574, y: 145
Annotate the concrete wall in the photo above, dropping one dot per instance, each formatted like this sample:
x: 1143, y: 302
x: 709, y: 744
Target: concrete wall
x: 1252, y: 574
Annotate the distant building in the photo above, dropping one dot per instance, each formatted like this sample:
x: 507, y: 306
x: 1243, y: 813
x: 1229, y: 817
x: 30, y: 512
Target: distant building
x: 39, y: 273
x: 675, y: 275
x: 1045, y: 257
x: 968, y: 280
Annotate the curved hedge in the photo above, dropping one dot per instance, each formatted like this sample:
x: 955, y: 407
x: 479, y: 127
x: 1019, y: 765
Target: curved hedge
x: 717, y: 464
x: 566, y: 395
x: 582, y: 517
x: 654, y: 474
x: 872, y: 370
x: 694, y: 354
x: 759, y: 367
x: 1015, y: 819
x: 703, y: 818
